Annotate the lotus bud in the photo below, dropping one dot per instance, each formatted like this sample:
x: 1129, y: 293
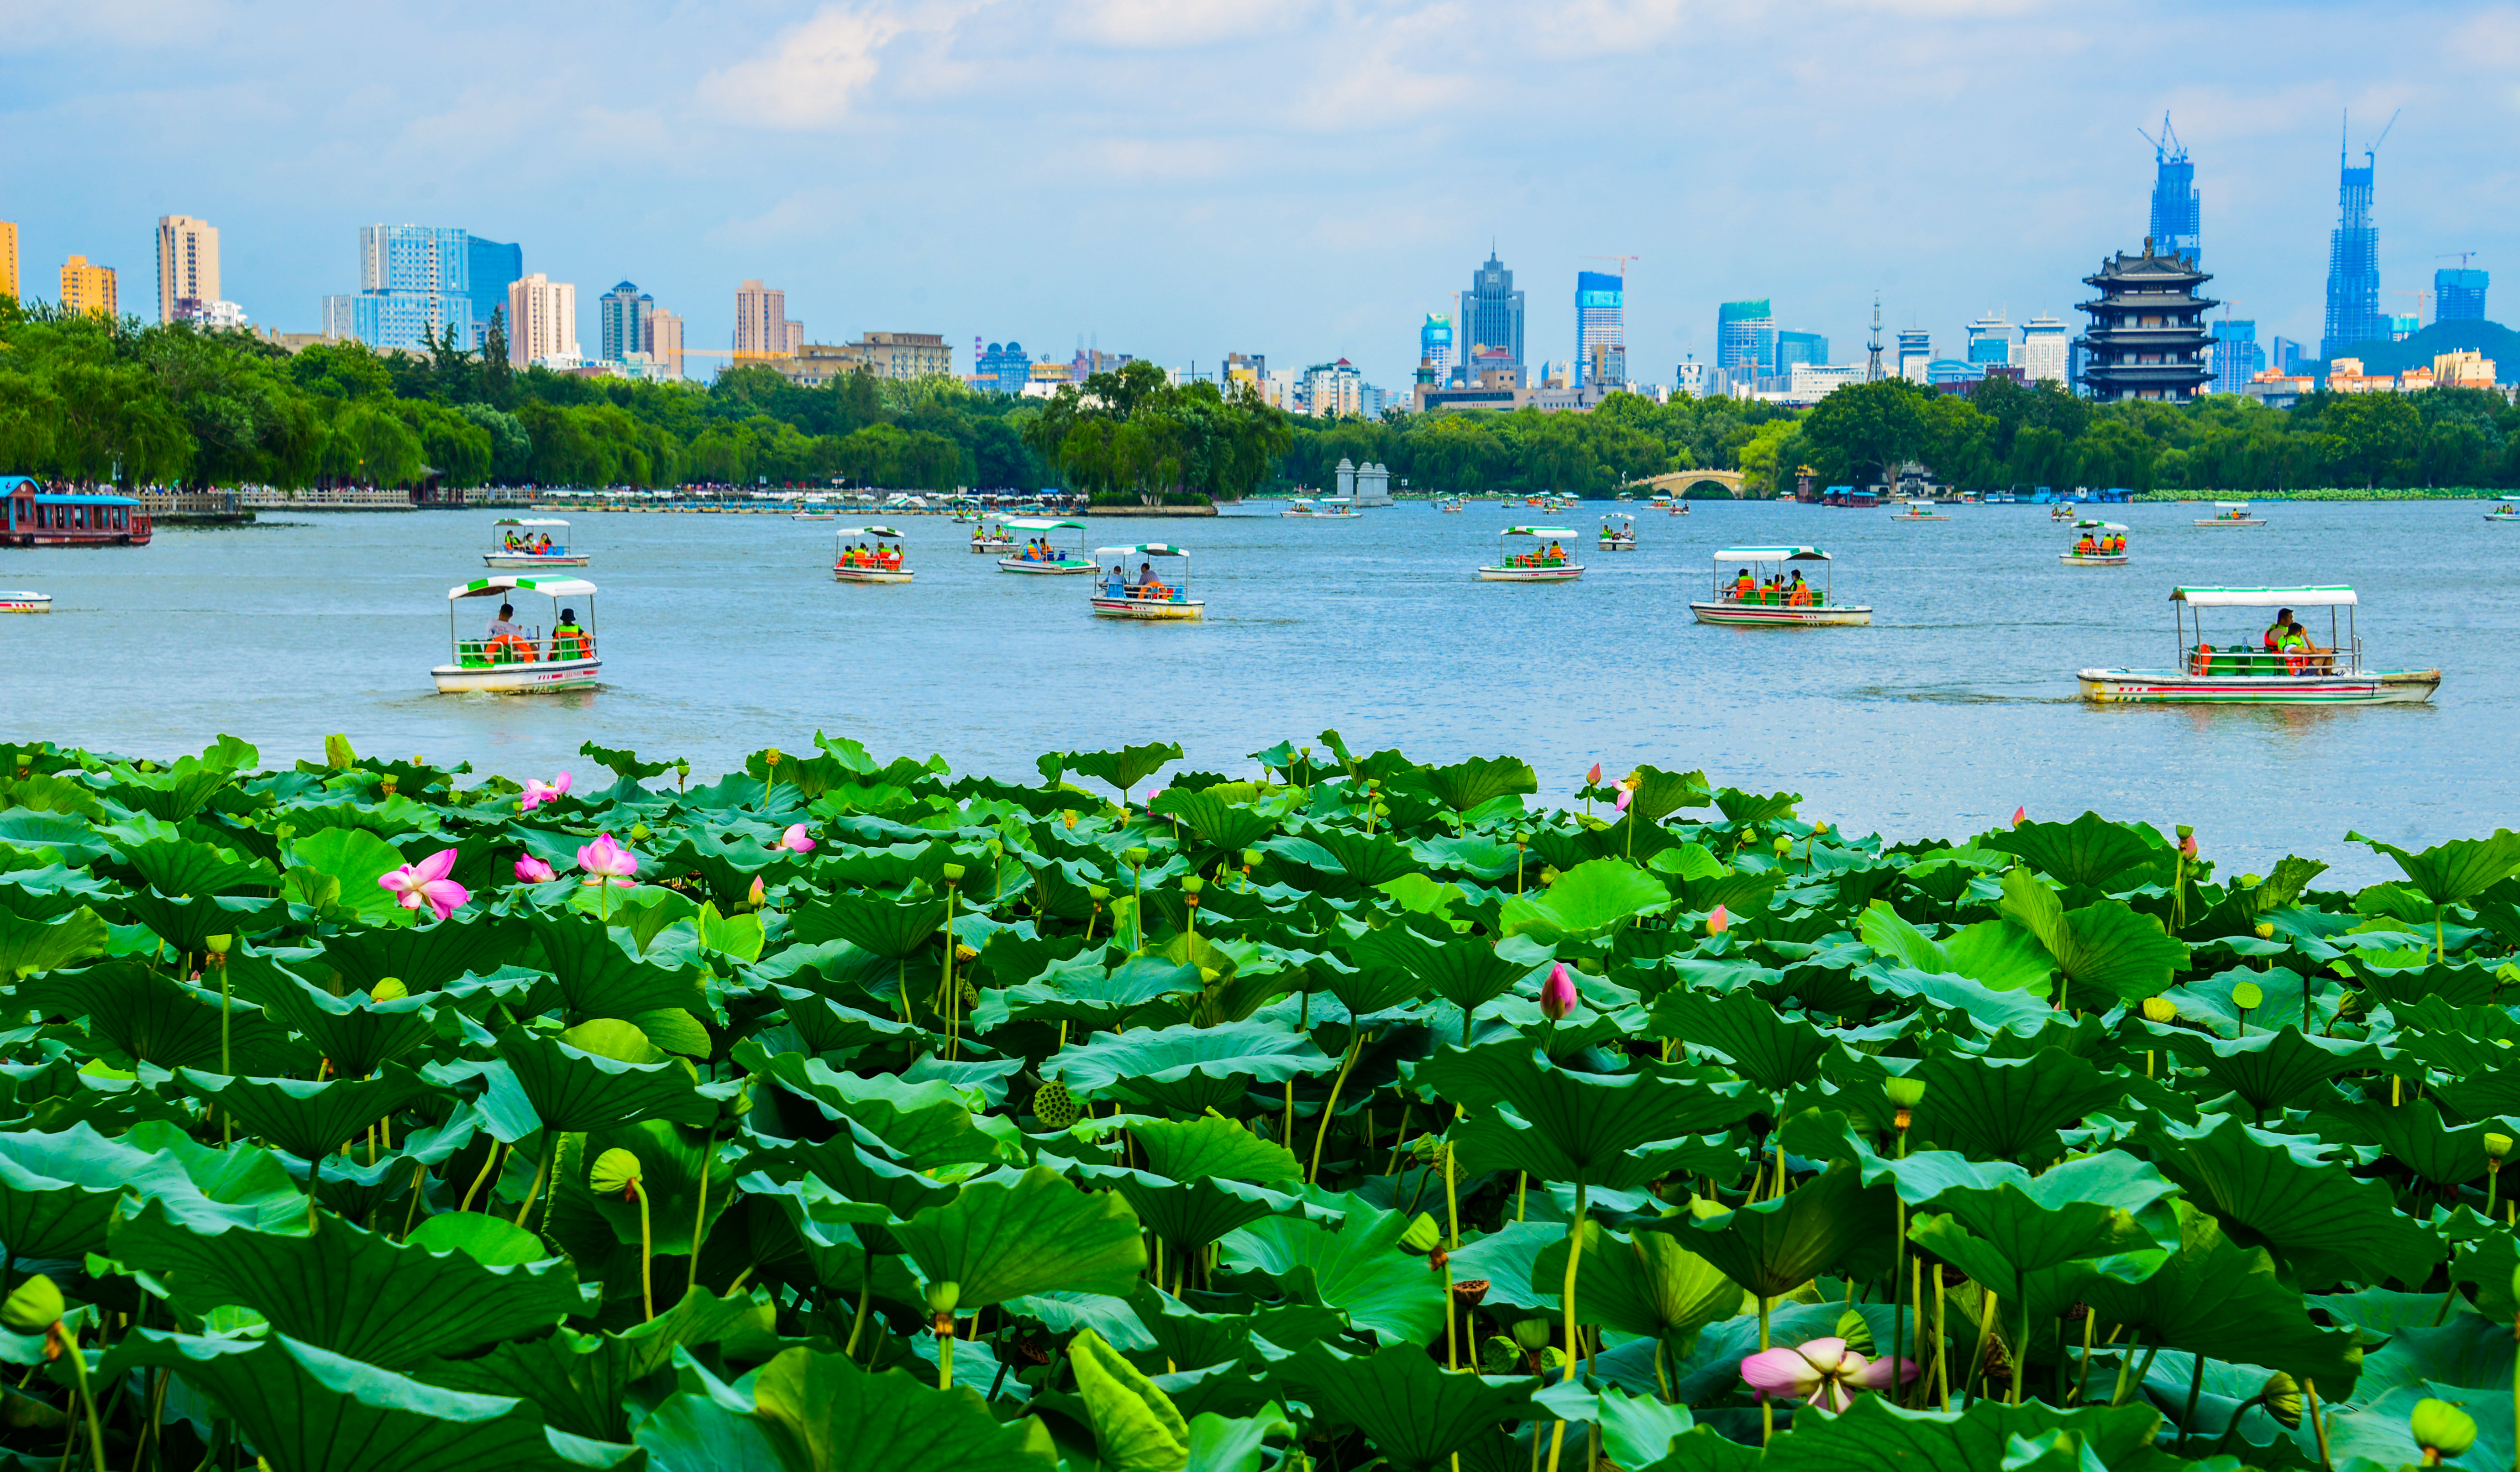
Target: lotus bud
x: 390, y: 989
x: 2020, y: 816
x: 1557, y: 994
x: 1136, y: 857
x: 217, y: 945
x: 1529, y: 1334
x: 952, y: 872
x: 2187, y: 842
x: 1593, y: 779
x: 1819, y: 829
x: 2441, y: 1429
x: 2496, y: 1147
x: 1718, y: 920
x: 2247, y: 996
x: 1054, y: 1105
x: 2281, y: 1398
x: 616, y: 1171
x: 682, y: 769
x: 2160, y: 1009
x: 944, y: 1298
x: 758, y: 896
x: 2266, y: 930
x: 1548, y: 874
x: 34, y: 1307
x: 1423, y: 1235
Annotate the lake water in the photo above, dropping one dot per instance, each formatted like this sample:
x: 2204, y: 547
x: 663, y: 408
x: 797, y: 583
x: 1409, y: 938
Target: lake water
x: 722, y: 634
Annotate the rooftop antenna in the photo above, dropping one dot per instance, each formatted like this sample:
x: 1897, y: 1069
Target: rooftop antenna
x: 1872, y: 366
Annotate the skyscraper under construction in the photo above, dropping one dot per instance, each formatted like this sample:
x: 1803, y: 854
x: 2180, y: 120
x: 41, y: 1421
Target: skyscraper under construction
x: 2176, y: 216
x: 2354, y: 260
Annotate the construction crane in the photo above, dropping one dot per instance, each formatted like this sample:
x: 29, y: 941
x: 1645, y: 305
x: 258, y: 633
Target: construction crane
x: 2420, y: 297
x: 1621, y: 259
x: 2384, y: 133
x: 2464, y: 256
x: 2167, y: 149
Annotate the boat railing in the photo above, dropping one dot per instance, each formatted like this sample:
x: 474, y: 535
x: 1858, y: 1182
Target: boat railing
x: 1776, y: 598
x: 2207, y: 660
x: 528, y: 647
x: 1146, y: 592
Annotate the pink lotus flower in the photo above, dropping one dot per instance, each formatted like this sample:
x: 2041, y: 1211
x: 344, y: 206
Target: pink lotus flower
x: 1623, y: 798
x: 1718, y: 920
x: 533, y: 870
x: 426, y: 883
x: 539, y: 792
x: 795, y: 840
x: 2020, y: 816
x: 608, y: 860
x: 1557, y: 992
x: 1824, y: 1372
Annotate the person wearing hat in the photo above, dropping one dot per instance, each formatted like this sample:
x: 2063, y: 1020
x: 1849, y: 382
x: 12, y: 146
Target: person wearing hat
x: 569, y: 641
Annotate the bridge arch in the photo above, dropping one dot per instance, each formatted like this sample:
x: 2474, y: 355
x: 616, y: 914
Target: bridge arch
x: 1679, y: 483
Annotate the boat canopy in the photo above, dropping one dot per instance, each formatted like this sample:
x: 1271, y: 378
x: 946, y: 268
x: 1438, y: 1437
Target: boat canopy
x: 1044, y: 523
x: 1537, y: 531
x: 1923, y: 505
x: 2265, y: 598
x: 2231, y: 506
x: 2101, y: 526
x: 1336, y: 500
x: 1771, y: 555
x: 1144, y: 549
x: 506, y: 582
x: 529, y: 521
x: 865, y: 531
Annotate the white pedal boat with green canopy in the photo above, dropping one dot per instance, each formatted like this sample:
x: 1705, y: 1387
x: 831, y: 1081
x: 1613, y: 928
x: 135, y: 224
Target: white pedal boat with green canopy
x: 2230, y: 514
x: 520, y: 657
x: 869, y: 564
x: 516, y: 544
x: 2302, y: 673
x: 1145, y: 594
x: 1061, y: 561
x: 1745, y: 597
x: 1549, y: 561
x: 2095, y: 535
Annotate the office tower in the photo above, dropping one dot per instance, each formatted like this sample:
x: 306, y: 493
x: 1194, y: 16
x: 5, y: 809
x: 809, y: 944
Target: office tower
x: 2176, y: 214
x: 1990, y: 341
x: 1490, y: 319
x: 1601, y: 312
x: 2042, y: 356
x: 1745, y: 340
x: 1435, y: 343
x: 1800, y: 347
x: 489, y: 267
x: 414, y: 284
x: 2147, y: 339
x: 8, y: 260
x: 1916, y: 350
x: 622, y: 317
x: 89, y: 288
x: 2285, y: 356
x: 761, y: 325
x: 188, y: 267
x: 2458, y: 296
x: 665, y: 343
x: 1002, y: 367
x: 2354, y: 312
x: 2237, y: 356
x: 542, y: 322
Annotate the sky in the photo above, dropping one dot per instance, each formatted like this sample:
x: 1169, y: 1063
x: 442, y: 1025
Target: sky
x: 1179, y: 179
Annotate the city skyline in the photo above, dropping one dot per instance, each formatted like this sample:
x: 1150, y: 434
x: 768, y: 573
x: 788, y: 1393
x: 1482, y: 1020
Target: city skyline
x: 727, y: 175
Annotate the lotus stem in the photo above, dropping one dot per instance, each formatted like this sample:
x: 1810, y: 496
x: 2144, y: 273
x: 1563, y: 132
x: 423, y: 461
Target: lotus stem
x: 1767, y: 1406
x: 2195, y: 1393
x: 2126, y: 1362
x: 2021, y: 1346
x: 700, y: 1218
x: 542, y: 1163
x: 866, y: 1296
x: 87, y: 1399
x: 944, y: 1352
x: 2083, y: 1381
x: 489, y: 1161
x: 1452, y: 1244
x: 1942, y: 1356
x: 1355, y: 1044
x: 1574, y: 1335
x: 2318, y: 1423
x: 1985, y: 1331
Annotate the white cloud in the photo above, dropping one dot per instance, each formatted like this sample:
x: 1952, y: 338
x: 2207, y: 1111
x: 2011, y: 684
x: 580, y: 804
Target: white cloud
x: 813, y: 72
x: 1173, y: 25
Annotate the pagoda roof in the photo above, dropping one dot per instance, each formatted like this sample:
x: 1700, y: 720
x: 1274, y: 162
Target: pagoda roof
x: 2149, y: 268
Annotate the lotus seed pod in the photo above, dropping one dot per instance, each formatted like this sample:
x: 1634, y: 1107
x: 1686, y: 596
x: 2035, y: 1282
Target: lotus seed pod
x: 2441, y: 1428
x: 1070, y: 817
x: 770, y: 756
x: 1784, y: 845
x: 1192, y: 884
x: 1250, y: 858
x: 1136, y: 857
x: 640, y: 832
x: 217, y: 945
x: 34, y: 1307
x: 944, y: 1298
x: 2159, y: 1010
x: 1422, y: 1233
x: 1054, y: 1105
x: 2266, y: 930
x: 2247, y: 996
x: 615, y: 1170
x: 953, y: 873
x: 1530, y: 1333
x: 2496, y: 1145
x: 1905, y: 1092
x: 2281, y: 1396
x: 390, y: 989
x: 1499, y: 1356
x: 1099, y: 893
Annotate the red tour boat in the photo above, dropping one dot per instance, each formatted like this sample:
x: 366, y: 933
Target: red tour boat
x: 34, y: 517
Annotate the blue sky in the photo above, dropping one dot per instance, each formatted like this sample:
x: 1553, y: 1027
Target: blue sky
x: 1182, y: 178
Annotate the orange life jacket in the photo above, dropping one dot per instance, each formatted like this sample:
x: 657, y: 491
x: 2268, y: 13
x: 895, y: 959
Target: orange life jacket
x: 1801, y: 596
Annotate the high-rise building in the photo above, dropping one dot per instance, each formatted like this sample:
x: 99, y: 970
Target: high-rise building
x: 340, y: 316
x: 2285, y: 356
x: 188, y: 267
x: 489, y: 267
x: 1435, y: 343
x: 1002, y: 367
x: 902, y: 355
x: 2237, y: 356
x: 542, y: 322
x: 2354, y: 312
x: 1491, y: 316
x: 1800, y: 347
x: 1745, y: 340
x: 89, y: 288
x: 8, y: 260
x: 2147, y: 340
x: 761, y: 323
x: 1990, y: 341
x: 665, y: 344
x: 414, y: 283
x: 1916, y: 350
x: 1605, y: 366
x: 2176, y: 213
x: 622, y: 318
x: 2458, y: 296
x: 2042, y: 356
x: 1601, y: 316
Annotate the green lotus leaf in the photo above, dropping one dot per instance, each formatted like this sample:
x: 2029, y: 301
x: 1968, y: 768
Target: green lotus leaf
x: 1996, y: 954
x: 310, y: 1410
x: 188, y: 924
x: 926, y: 1123
x: 1565, y: 1126
x: 1773, y: 1246
x: 1190, y: 1214
x: 1220, y: 824
x: 2374, y: 1433
x: 1593, y: 898
x: 187, y: 869
x: 599, y: 978
x: 2106, y: 947
x: 1644, y: 1282
x: 1872, y: 1434
x: 2414, y: 1134
x: 1752, y: 810
x: 1658, y: 793
x: 1212, y: 1145
x: 1416, y: 1414
x: 1188, y: 1069
x: 572, y: 1091
x: 1356, y: 1268
x: 29, y: 946
x: 347, y: 1290
x: 2453, y: 873
x: 357, y: 1034
x: 1235, y: 1444
x: 2271, y: 1070
x: 1637, y: 1429
x: 1477, y: 780
x: 2214, y: 1297
x: 889, y: 928
x: 1125, y: 769
x: 71, y: 839
x: 492, y: 1242
x: 857, y: 1174
x: 423, y: 958
x: 1369, y: 859
x: 174, y: 793
x: 1002, y: 1238
x: 1771, y: 1051
x: 355, y: 859
x: 2090, y: 854
x: 2279, y: 1191
x: 1082, y: 991
x: 2007, y: 1108
x: 582, y: 1383
x: 1135, y: 1424
x: 2091, y: 1207
x: 154, y: 1018
x: 308, y: 1120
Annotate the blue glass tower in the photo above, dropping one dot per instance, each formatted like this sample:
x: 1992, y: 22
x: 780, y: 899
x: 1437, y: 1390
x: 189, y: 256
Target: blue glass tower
x: 2176, y: 216
x: 2352, y: 264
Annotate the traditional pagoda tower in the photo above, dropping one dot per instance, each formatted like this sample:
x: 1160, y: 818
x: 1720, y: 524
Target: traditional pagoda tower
x: 2148, y: 338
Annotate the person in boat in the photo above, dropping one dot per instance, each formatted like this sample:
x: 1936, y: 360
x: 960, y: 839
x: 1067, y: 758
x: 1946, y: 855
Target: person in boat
x: 1798, y: 593
x: 505, y: 625
x: 2085, y: 547
x: 2273, y: 638
x: 569, y: 641
x: 508, y: 638
x: 1744, y: 586
x: 2307, y: 658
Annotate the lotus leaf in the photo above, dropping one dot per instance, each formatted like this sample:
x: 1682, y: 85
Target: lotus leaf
x: 1004, y: 1238
x: 1413, y: 1410
x: 1591, y: 899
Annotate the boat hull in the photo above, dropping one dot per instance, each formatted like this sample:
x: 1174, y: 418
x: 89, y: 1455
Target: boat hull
x: 1779, y: 617
x: 868, y: 575
x: 2218, y: 521
x: 532, y: 676
x: 1148, y: 610
x: 1051, y: 570
x: 527, y: 559
x: 1565, y: 574
x: 2170, y: 687
x: 1921, y: 518
x: 997, y: 546
x: 25, y: 602
x: 2498, y: 516
x: 1619, y: 544
x: 2080, y: 559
